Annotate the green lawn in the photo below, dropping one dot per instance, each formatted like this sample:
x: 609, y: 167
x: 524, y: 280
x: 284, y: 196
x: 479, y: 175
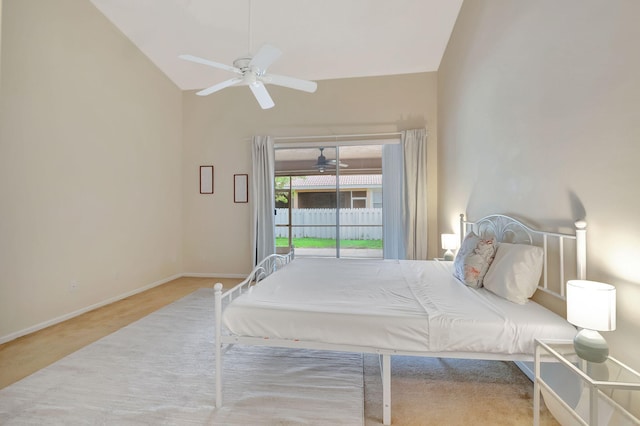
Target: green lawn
x: 328, y: 243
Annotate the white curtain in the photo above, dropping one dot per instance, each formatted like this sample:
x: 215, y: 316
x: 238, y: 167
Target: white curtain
x: 414, y: 146
x: 263, y: 200
x: 392, y: 183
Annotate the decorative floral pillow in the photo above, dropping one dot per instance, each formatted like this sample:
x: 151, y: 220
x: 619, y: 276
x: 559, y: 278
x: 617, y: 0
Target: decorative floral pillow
x: 473, y: 259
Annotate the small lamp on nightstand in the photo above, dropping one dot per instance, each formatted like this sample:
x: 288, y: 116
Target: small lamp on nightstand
x: 449, y: 243
x: 591, y: 306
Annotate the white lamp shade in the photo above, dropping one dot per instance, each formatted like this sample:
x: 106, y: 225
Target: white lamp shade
x: 449, y: 241
x: 591, y: 305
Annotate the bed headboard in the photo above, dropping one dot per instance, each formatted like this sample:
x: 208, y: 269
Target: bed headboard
x: 555, y: 245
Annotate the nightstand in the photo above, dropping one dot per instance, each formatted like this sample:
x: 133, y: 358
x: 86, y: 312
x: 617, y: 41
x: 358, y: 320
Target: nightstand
x: 595, y: 393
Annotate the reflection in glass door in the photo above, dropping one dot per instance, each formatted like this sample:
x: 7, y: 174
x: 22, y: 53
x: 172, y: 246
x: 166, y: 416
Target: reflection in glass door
x: 329, y: 201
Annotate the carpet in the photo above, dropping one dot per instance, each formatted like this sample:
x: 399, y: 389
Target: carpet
x: 452, y: 392
x: 160, y: 371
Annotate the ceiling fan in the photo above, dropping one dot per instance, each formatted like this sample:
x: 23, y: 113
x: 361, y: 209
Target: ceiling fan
x: 323, y: 164
x: 252, y: 72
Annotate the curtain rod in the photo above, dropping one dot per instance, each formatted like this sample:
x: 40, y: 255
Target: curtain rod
x: 361, y: 135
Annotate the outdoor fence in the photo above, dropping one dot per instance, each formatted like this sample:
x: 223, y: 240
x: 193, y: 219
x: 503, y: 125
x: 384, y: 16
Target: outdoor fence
x: 355, y: 224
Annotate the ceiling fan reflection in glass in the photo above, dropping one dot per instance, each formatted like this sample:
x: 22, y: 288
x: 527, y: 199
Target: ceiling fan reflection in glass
x: 323, y: 164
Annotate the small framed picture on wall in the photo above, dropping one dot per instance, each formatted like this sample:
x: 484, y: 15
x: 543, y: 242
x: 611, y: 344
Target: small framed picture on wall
x: 241, y: 188
x: 206, y: 179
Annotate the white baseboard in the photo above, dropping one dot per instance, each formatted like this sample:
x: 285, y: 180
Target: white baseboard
x: 208, y: 275
x: 73, y: 314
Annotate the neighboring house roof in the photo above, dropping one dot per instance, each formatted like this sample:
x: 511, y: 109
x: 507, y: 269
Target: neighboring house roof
x: 304, y: 182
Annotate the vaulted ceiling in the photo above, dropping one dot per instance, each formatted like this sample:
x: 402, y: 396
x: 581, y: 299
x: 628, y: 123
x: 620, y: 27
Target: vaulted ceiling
x: 320, y: 39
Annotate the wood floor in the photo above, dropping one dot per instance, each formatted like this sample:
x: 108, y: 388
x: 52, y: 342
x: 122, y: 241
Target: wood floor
x: 26, y: 355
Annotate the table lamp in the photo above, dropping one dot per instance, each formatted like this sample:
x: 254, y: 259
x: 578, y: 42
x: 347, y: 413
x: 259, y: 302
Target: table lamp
x: 449, y: 243
x: 591, y: 306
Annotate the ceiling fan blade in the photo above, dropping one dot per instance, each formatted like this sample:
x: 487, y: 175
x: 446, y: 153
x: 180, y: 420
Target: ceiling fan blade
x: 291, y: 82
x: 219, y: 86
x: 202, y: 61
x: 261, y: 94
x: 266, y: 56
x: 334, y: 162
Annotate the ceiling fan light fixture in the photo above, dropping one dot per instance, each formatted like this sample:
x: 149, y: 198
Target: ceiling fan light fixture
x: 253, y: 72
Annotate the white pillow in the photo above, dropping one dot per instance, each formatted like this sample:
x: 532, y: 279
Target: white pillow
x: 515, y: 271
x: 473, y: 259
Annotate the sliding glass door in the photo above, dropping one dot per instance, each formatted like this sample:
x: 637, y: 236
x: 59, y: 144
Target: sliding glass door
x: 329, y: 201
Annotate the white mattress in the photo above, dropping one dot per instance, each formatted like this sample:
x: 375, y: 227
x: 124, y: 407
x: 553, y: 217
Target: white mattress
x: 413, y: 306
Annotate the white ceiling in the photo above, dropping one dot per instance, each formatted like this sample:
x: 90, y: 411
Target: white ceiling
x: 320, y: 39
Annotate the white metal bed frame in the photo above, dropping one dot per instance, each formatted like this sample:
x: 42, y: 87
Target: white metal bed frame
x: 503, y: 227
x: 508, y: 229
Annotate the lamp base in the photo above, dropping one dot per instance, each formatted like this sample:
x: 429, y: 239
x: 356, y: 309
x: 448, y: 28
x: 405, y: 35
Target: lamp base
x: 591, y: 346
x: 448, y: 255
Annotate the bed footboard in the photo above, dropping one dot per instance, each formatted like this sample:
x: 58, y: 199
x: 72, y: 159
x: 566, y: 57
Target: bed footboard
x: 262, y: 270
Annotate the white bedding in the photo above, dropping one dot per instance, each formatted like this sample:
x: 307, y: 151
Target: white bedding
x: 409, y: 306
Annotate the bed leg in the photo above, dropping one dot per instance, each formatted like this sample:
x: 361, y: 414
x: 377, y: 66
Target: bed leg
x: 536, y: 388
x: 218, y: 343
x: 386, y: 389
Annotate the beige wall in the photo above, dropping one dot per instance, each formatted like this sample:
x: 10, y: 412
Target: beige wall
x: 217, y: 130
x: 539, y: 112
x: 90, y: 173
x: 99, y: 170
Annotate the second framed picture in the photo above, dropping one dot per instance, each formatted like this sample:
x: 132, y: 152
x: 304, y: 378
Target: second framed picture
x: 241, y: 188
